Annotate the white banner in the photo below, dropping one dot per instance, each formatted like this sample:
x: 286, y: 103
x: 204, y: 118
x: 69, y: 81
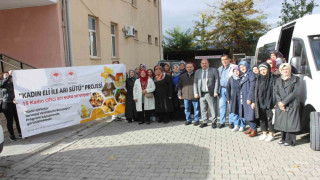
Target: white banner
x: 54, y: 98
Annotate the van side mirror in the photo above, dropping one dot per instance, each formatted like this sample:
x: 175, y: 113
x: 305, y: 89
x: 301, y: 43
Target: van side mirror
x: 297, y: 68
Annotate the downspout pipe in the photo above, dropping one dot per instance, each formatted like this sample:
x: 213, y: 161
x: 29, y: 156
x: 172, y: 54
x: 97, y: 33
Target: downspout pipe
x: 68, y: 33
x: 66, y: 38
x: 160, y: 28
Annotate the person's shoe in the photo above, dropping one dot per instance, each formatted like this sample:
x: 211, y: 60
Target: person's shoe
x: 241, y: 129
x: 231, y: 125
x: 281, y: 142
x: 12, y: 138
x: 262, y: 137
x: 221, y: 126
x: 20, y: 136
x: 269, y: 138
x: 286, y: 144
x: 253, y: 133
x: 196, y: 123
x: 141, y: 122
x: 248, y: 131
x: 187, y: 123
x: 214, y: 125
x: 203, y: 125
x: 148, y: 122
x: 130, y: 121
x: 235, y: 129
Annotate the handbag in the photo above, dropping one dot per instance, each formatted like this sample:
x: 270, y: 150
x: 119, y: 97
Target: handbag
x: 149, y: 95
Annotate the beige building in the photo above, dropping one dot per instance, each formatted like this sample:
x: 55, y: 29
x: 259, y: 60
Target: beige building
x: 124, y: 30
x: 55, y: 33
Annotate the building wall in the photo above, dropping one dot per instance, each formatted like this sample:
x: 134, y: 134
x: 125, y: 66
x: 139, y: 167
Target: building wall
x: 33, y: 35
x: 130, y: 51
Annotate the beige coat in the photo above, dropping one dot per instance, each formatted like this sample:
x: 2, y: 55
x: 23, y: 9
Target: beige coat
x: 149, y: 103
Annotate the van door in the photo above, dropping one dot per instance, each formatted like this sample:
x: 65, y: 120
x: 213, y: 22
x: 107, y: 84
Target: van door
x: 285, y: 40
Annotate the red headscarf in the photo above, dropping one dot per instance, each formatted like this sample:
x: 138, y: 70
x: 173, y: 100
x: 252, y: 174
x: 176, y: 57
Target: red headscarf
x: 274, y: 64
x: 144, y: 80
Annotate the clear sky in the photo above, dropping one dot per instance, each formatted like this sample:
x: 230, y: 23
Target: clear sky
x: 183, y: 12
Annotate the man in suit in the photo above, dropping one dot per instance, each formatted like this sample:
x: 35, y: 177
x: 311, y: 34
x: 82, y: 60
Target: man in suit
x: 225, y: 72
x: 206, y: 87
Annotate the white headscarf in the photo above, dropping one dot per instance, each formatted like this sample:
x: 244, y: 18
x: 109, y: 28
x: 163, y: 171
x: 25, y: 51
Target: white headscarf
x: 281, y: 68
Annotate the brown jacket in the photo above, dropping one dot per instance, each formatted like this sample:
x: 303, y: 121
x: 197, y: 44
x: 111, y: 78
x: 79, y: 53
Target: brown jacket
x: 185, y: 86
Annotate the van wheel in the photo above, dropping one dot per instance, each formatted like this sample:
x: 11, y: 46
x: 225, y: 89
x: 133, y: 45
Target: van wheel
x: 315, y: 131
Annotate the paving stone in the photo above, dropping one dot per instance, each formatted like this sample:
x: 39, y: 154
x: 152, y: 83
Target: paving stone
x: 174, y: 151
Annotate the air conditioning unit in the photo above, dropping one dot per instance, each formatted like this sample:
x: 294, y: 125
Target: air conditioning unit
x: 129, y: 31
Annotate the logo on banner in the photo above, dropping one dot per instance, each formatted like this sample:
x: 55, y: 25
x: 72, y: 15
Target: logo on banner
x: 71, y: 75
x: 56, y: 76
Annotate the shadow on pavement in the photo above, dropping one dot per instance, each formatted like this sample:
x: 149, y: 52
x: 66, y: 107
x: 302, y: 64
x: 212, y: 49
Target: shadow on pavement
x: 124, y: 162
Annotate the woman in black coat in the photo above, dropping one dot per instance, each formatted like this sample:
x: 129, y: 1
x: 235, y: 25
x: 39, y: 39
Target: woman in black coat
x: 8, y: 107
x: 131, y: 111
x: 287, y: 119
x: 264, y: 101
x: 163, y: 94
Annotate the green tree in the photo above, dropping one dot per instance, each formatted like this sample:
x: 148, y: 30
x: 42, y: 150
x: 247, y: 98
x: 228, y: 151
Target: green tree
x: 238, y: 26
x: 296, y: 9
x: 178, y: 40
x: 201, y: 33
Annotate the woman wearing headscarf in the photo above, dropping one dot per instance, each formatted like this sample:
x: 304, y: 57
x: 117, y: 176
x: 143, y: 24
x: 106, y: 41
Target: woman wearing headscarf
x: 255, y: 70
x: 233, y: 98
x: 137, y: 70
x: 287, y: 119
x: 182, y: 67
x: 246, y: 110
x: 178, y: 112
x: 163, y: 94
x: 143, y: 96
x: 264, y: 101
x: 167, y: 68
x: 143, y: 66
x: 131, y: 111
x: 273, y: 65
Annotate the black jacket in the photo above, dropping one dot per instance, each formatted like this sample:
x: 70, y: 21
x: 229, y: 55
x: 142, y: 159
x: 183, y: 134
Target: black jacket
x: 287, y: 92
x: 131, y: 111
x: 6, y: 86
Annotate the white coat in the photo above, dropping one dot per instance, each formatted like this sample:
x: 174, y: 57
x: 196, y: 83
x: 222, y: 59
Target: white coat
x: 149, y: 103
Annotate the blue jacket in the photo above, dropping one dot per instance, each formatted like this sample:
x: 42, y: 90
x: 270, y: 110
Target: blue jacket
x: 247, y: 85
x: 233, y: 95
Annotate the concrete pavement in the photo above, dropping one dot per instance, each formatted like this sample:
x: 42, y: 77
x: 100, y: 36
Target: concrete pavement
x: 119, y: 150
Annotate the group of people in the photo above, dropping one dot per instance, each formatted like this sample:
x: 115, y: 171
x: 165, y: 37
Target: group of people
x: 265, y: 96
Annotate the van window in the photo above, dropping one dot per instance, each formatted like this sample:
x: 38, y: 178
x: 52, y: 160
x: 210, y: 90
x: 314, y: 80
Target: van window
x: 264, y: 52
x: 315, y: 46
x: 299, y: 50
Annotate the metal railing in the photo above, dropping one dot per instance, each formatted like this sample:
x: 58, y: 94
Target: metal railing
x: 8, y: 63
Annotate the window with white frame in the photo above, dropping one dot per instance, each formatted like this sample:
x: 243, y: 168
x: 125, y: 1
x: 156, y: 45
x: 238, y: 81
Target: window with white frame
x: 92, y: 36
x: 113, y: 40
